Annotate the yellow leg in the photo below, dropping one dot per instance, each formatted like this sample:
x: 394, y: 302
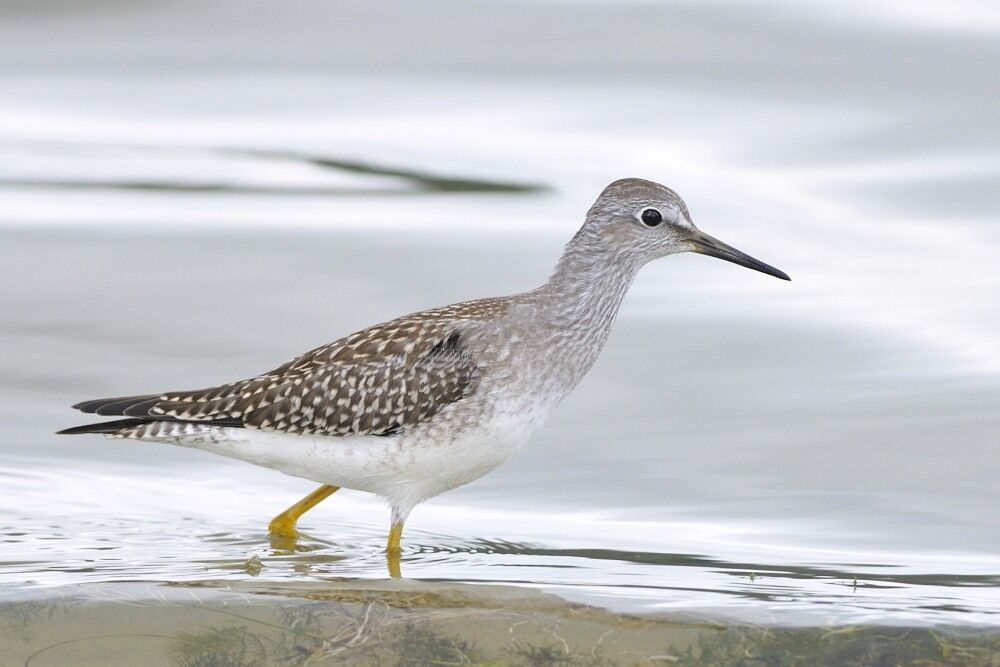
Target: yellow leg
x: 395, y: 534
x: 392, y: 549
x: 284, y: 524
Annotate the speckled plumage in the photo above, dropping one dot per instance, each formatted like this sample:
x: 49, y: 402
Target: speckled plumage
x: 374, y: 382
x: 429, y: 401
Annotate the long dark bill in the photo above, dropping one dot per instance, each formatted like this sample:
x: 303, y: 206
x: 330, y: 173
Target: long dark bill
x: 704, y: 244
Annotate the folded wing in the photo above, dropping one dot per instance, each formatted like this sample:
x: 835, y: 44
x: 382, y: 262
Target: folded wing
x: 374, y: 382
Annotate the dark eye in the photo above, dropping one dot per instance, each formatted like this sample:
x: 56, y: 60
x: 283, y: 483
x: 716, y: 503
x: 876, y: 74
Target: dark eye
x: 651, y: 217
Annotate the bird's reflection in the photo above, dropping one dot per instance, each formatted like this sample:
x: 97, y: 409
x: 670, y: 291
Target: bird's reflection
x: 287, y: 544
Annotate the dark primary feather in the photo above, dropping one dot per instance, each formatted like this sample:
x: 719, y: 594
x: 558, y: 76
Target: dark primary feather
x: 103, y: 427
x: 374, y: 382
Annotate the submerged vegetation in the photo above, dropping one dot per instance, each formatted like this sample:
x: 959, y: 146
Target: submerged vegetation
x: 415, y: 624
x: 842, y: 646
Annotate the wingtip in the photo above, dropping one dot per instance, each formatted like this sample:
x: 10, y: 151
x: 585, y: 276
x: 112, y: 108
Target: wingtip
x: 107, y: 427
x: 73, y: 430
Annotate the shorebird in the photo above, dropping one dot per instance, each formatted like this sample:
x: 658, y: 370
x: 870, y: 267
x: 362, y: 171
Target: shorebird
x: 428, y: 402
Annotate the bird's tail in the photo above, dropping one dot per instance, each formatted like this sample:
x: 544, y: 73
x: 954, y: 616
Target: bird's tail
x: 136, y: 409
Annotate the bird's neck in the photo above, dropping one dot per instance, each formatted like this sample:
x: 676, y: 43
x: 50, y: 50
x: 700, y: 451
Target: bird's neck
x: 581, y: 298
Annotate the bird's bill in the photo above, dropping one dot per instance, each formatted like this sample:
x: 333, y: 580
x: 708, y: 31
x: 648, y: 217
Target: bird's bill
x: 704, y: 244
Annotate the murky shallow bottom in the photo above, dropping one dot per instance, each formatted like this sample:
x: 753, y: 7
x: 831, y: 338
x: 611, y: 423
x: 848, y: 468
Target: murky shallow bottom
x: 402, y: 622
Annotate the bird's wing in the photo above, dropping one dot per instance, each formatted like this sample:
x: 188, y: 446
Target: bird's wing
x: 374, y: 382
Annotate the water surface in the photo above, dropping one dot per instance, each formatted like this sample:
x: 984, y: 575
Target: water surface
x: 816, y: 453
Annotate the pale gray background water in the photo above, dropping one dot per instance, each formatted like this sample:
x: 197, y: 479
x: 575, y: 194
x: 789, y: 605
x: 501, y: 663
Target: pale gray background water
x: 182, y: 204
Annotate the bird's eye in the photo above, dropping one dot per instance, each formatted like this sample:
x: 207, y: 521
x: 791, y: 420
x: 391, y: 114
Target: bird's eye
x: 651, y: 217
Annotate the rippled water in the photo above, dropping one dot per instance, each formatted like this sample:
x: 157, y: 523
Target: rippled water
x: 175, y: 214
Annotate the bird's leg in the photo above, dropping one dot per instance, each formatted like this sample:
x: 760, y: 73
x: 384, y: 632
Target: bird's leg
x: 395, y: 534
x: 392, y: 547
x: 283, y: 525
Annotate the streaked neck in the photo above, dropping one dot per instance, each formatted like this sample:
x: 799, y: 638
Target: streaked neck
x: 581, y: 299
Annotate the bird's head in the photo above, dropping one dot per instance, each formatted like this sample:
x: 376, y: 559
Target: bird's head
x: 641, y: 221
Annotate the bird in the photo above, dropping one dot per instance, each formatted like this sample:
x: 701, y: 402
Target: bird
x: 430, y: 401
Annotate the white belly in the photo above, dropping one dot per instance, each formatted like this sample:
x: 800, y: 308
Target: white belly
x: 404, y: 469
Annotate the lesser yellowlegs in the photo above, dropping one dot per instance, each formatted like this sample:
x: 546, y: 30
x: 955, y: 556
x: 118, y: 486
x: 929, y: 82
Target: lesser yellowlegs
x: 430, y: 401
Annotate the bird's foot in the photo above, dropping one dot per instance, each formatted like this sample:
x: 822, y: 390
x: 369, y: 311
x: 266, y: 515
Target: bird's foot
x: 283, y: 526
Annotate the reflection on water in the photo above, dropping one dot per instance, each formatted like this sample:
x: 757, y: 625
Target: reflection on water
x: 224, y: 171
x: 809, y: 454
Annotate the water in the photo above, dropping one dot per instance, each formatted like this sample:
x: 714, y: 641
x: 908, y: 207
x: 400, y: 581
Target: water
x: 206, y: 201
